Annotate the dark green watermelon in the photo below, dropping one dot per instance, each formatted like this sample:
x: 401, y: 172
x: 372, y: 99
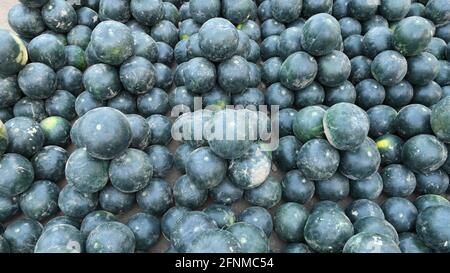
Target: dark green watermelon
x: 87, y: 17
x: 71, y: 79
x: 115, y: 201
x: 267, y: 194
x: 399, y: 95
x: 318, y: 160
x: 390, y: 147
x: 394, y: 207
x: 349, y: 134
x: 115, y: 11
x: 226, y: 192
x: 40, y: 201
x: 59, y: 16
x: 201, y: 160
x: 367, y: 188
x: 440, y: 116
x: 422, y: 68
x: 353, y: 46
x: 366, y: 242
x: 251, y: 238
x: 233, y: 75
x: 369, y: 93
x: 37, y: 80
x: 137, y: 75
x: 361, y: 162
x: 398, y: 181
x: 349, y: 27
x: 75, y: 204
x: 435, y: 182
x: 269, y: 47
x: 394, y: 10
x: 49, y: 163
x: 111, y: 237
x: 47, y: 49
x: 222, y: 215
x: 412, y: 120
x: 297, y: 77
x: 286, y: 11
x: 10, y: 92
x: 362, y: 9
x: 170, y: 218
x: 146, y: 230
x: 389, y: 67
x: 424, y: 153
x: 102, y: 81
x: 412, y: 35
x: 56, y: 131
x: 25, y: 136
x: 410, y: 243
x: 61, y: 238
x: 381, y: 119
x: 335, y: 188
x: 62, y: 104
x: 30, y: 108
x: 18, y: 174
x: 75, y: 57
x: 156, y: 197
x: 377, y: 40
x: 145, y: 46
x: 79, y: 36
x: 431, y: 229
x: 428, y: 94
x: 214, y: 241
x: 289, y: 222
x: 430, y: 200
x: 147, y: 12
x: 333, y: 69
x: 140, y: 131
x: 285, y: 156
x: 160, y: 127
x: 270, y: 70
x: 86, y: 102
x: 438, y: 11
x: 345, y: 92
x: 259, y: 217
x: 308, y: 123
x: 112, y: 42
x: 161, y: 159
x: 187, y: 194
x: 22, y: 235
x: 124, y: 102
x: 199, y: 84
x: 26, y: 22
x: 360, y: 69
x: 296, y: 187
x: 321, y: 34
x: 364, y: 208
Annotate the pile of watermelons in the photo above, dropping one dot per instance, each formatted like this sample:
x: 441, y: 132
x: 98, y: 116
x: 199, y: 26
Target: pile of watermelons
x: 87, y: 161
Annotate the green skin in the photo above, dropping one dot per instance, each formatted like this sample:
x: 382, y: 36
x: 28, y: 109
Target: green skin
x: 353, y: 46
x: 214, y: 241
x: 270, y: 70
x: 394, y: 10
x: 111, y: 237
x: 424, y: 153
x: 308, y: 123
x: 194, y: 82
x: 147, y: 12
x: 394, y: 207
x: 351, y: 133
x: 437, y: 48
x: 366, y: 242
x: 27, y: 22
x: 187, y: 194
x: 202, y: 11
x: 9, y: 207
x: 252, y: 169
x: 286, y: 119
x: 377, y: 40
x: 102, y: 81
x: 17, y: 172
x: 390, y: 149
x: 124, y: 102
x: 205, y: 169
x: 4, y: 245
x: 131, y: 171
x: 181, y: 155
x: 56, y: 131
x: 116, y: 11
x: 334, y: 188
x: 312, y: 7
x: 30, y: 108
x: 156, y: 198
x: 285, y: 156
x: 389, y: 67
x: 137, y: 74
x: 259, y: 217
x: 250, y: 28
x: 171, y: 13
x: 327, y: 230
x: 165, y: 31
x: 439, y: 120
x: 431, y: 227
x: 363, y: 208
x: 321, y: 34
x: 362, y: 162
x: 71, y: 79
x: 333, y: 69
x: 59, y: 220
x: 146, y: 229
x: 422, y: 68
x: 296, y: 188
x: 145, y: 46
x: 163, y: 73
x: 313, y: 94
x: 362, y: 10
x: 47, y: 49
x: 410, y: 243
x: 112, y: 42
x: 40, y: 201
x: 62, y: 104
x: 37, y: 80
x: 140, y: 131
x: 289, y: 222
x: 222, y: 215
x: 25, y: 239
x: 286, y: 11
x: 428, y: 94
x: 368, y: 188
x: 79, y: 36
x: 435, y: 182
x: 296, y: 248
x: 381, y: 119
x: 277, y: 94
x: 190, y: 226
x: 161, y: 159
x: 87, y: 17
x: 233, y: 75
x: 170, y: 218
x: 85, y: 173
x: 318, y: 160
x: 443, y: 78
x: 266, y: 195
x: 269, y: 46
x: 412, y: 35
x: 297, y: 77
x: 11, y: 93
x: 251, y: 96
x: 160, y: 126
x: 412, y: 120
x: 360, y: 69
x: 59, y: 16
x: 94, y: 219
x: 376, y: 225
x: 438, y: 11
x: 34, y: 3
x: 251, y: 238
x: 226, y: 192
x: 155, y: 101
x: 14, y: 54
x: 105, y: 132
x: 237, y: 11
x: 115, y: 201
x: 399, y: 95
x: 398, y: 180
x: 75, y: 204
x: 369, y: 93
x: 61, y: 238
x: 430, y: 200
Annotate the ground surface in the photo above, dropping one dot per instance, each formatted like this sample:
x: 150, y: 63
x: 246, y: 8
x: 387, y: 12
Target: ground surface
x: 5, y: 5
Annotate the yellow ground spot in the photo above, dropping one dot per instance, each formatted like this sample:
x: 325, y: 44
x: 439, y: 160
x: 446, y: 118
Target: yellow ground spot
x: 382, y: 144
x: 22, y: 57
x: 49, y: 123
x: 239, y: 26
x: 184, y: 37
